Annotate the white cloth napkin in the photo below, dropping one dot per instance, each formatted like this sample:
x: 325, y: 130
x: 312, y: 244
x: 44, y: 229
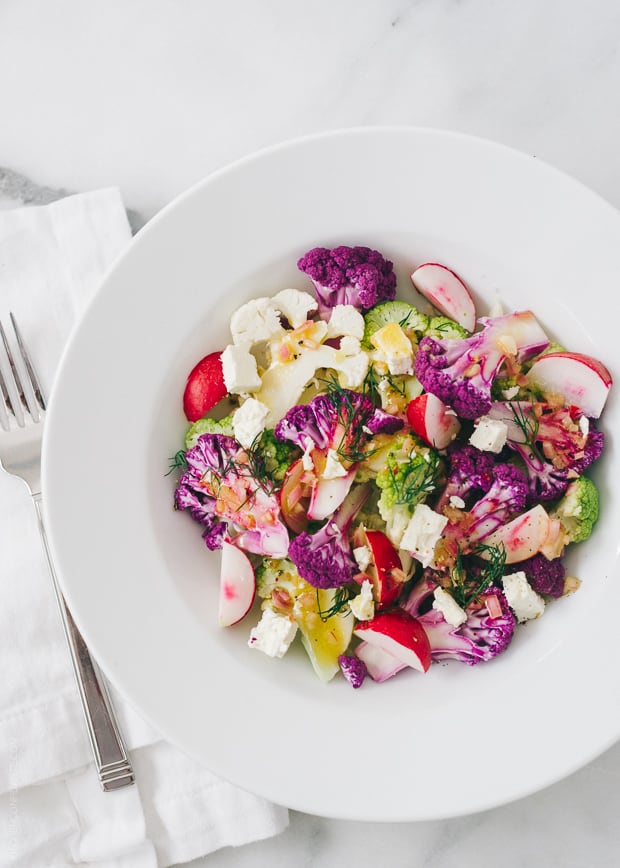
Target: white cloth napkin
x: 52, y: 810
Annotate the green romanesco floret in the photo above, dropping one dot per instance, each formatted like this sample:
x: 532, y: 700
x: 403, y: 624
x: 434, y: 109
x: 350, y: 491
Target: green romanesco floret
x: 208, y: 426
x: 412, y: 322
x: 277, y: 455
x: 412, y: 471
x: 278, y: 574
x: 578, y: 509
x: 440, y: 327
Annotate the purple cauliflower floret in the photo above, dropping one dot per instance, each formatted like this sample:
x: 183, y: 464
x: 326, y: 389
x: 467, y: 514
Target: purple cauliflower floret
x: 544, y: 575
x: 201, y: 509
x: 353, y: 669
x: 332, y: 421
x: 551, y: 442
x: 506, y: 497
x: 470, y: 470
x: 479, y: 639
x: 248, y: 513
x: 324, y: 559
x: 384, y: 423
x: 461, y: 371
x: 348, y: 275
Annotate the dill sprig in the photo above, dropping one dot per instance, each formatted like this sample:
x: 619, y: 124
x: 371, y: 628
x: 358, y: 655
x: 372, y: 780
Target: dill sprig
x: 352, y: 446
x: 465, y: 590
x: 370, y: 386
x: 529, y: 426
x: 413, y: 480
x: 342, y: 596
x: 177, y: 462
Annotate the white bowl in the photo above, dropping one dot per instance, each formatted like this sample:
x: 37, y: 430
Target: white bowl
x: 143, y: 587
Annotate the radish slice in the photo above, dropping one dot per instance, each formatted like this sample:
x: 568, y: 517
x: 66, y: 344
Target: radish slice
x: 380, y: 664
x: 447, y: 292
x: 237, y: 585
x: 581, y: 380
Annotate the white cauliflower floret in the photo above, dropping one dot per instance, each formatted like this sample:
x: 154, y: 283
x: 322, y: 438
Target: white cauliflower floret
x: 345, y: 320
x: 295, y: 305
x: 257, y: 320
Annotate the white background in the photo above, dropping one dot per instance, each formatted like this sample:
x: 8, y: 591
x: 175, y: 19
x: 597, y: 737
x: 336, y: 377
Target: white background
x: 151, y: 96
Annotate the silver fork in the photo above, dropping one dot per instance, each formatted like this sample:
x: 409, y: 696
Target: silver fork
x: 22, y: 415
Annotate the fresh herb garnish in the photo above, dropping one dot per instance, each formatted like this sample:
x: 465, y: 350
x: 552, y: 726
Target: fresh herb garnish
x: 529, y: 426
x: 342, y: 596
x: 466, y: 589
x: 412, y: 480
x: 177, y: 462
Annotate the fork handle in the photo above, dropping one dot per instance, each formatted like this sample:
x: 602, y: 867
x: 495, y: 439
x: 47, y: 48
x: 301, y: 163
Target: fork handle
x: 110, y: 755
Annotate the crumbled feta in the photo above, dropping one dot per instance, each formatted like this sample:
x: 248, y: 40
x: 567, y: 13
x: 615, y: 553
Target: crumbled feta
x: 489, y: 435
x: 394, y: 348
x: 349, y: 345
x: 363, y: 606
x: 363, y: 556
x: 257, y: 320
x: 295, y: 305
x: 249, y: 421
x: 422, y: 533
x: 521, y: 597
x: 584, y: 425
x: 273, y: 634
x: 333, y: 468
x: 345, y: 320
x: 240, y: 369
x: 445, y: 603
x: 457, y: 502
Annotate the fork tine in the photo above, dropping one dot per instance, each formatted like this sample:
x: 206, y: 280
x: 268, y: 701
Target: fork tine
x: 5, y: 405
x: 34, y: 380
x: 11, y: 388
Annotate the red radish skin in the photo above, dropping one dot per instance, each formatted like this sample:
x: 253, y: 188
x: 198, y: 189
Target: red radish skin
x: 432, y: 420
x: 447, y: 292
x: 237, y: 585
x: 205, y: 387
x: 400, y: 634
x: 580, y: 379
x: 386, y: 589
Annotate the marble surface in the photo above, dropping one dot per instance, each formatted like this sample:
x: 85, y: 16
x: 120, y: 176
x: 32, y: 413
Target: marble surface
x: 151, y: 95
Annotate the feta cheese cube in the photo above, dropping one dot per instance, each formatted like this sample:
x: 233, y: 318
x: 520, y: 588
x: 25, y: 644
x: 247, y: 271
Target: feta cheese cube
x: 273, y: 634
x: 363, y: 606
x: 295, y: 305
x: 521, y: 597
x: 363, y: 556
x: 395, y: 348
x: 489, y: 435
x: 333, y: 468
x: 422, y: 533
x: 345, y: 320
x: 249, y: 421
x: 257, y: 320
x: 445, y: 603
x: 240, y: 369
x: 457, y: 502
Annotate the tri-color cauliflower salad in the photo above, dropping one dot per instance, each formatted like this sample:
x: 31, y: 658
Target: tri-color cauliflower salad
x: 394, y: 485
